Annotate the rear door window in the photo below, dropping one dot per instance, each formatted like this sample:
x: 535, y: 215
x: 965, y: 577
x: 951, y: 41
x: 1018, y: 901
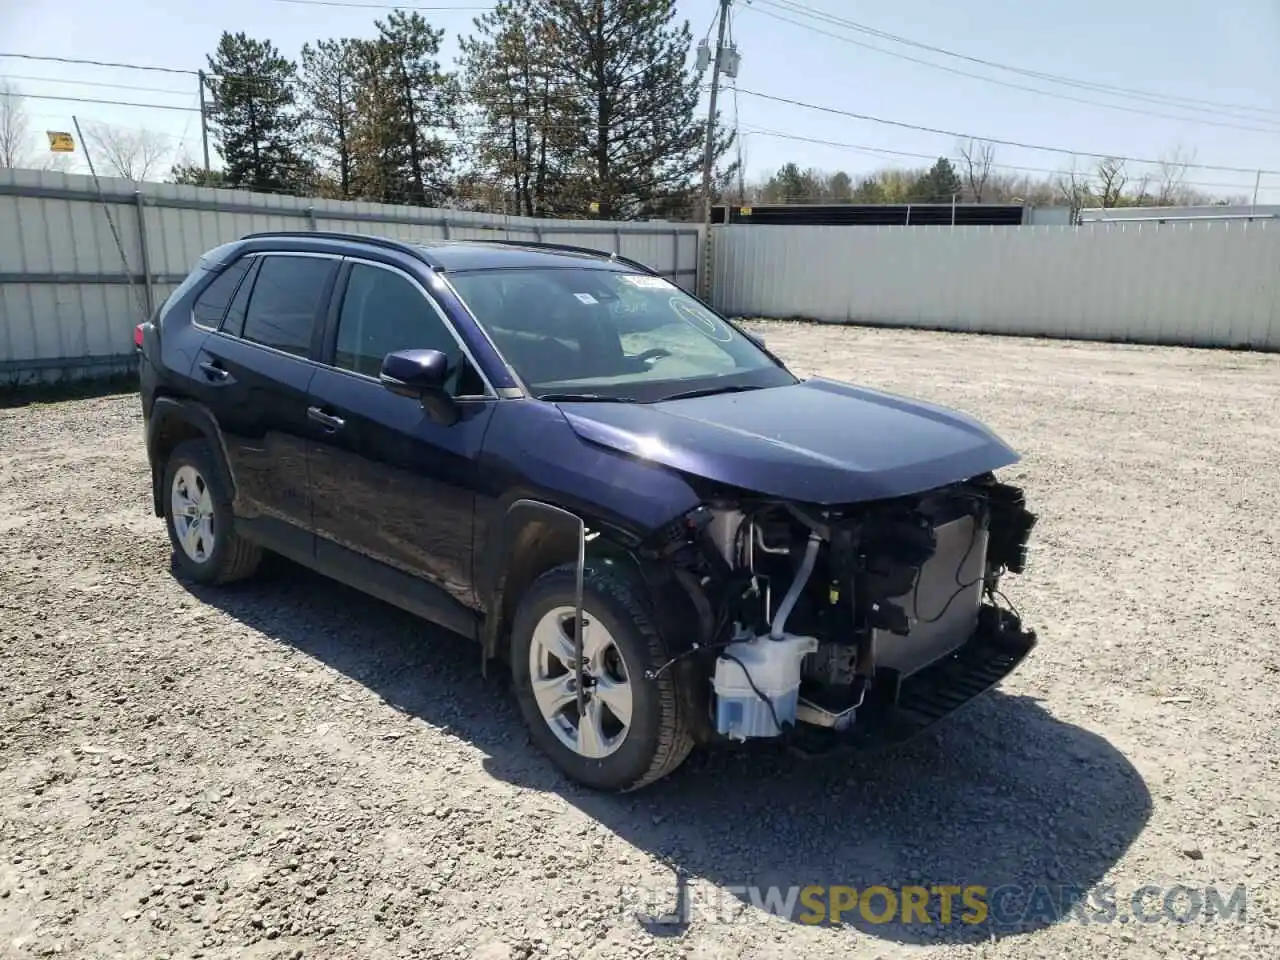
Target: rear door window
x: 284, y: 306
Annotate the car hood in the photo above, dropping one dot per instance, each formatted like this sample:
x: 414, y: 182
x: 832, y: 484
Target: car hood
x: 818, y: 441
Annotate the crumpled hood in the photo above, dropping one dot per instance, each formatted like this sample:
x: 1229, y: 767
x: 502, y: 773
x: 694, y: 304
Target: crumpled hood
x: 818, y: 441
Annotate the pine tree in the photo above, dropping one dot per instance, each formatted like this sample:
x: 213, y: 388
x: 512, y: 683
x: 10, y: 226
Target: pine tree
x: 252, y: 116
x: 632, y: 99
x: 406, y: 111
x: 327, y: 83
x: 517, y: 142
x: 939, y: 185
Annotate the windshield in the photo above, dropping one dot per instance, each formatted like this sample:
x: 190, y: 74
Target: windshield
x: 574, y: 333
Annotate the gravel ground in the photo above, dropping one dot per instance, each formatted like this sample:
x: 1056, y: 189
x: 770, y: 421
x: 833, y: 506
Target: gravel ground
x: 289, y: 769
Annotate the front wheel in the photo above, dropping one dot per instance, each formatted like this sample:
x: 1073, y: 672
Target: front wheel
x: 629, y: 731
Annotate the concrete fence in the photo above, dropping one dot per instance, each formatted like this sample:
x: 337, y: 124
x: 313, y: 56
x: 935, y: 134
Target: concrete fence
x: 68, y: 305
x: 1194, y: 283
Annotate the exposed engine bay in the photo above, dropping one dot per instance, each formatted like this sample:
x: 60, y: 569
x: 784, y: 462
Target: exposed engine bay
x: 850, y: 619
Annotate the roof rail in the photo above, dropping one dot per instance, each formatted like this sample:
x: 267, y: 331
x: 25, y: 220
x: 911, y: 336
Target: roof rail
x: 403, y: 246
x: 570, y: 248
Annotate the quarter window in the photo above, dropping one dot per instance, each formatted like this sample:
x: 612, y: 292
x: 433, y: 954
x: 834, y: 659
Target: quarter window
x: 382, y: 312
x: 233, y: 322
x: 211, y: 306
x: 286, y: 300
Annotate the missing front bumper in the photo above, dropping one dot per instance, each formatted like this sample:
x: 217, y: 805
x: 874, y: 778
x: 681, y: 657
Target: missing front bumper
x: 895, y: 710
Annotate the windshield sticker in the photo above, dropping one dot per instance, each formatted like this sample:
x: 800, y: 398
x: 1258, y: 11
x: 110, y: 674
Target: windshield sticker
x: 701, y: 319
x: 586, y: 298
x: 644, y: 282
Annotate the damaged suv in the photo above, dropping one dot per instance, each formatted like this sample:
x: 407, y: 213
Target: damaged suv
x: 669, y: 537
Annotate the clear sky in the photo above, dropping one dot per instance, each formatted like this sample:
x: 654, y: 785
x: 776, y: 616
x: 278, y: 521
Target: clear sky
x: 1223, y: 52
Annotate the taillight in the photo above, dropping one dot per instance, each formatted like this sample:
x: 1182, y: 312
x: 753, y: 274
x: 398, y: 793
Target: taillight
x: 137, y: 337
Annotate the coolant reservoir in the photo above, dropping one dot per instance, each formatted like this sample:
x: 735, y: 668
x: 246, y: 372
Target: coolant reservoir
x: 774, y: 667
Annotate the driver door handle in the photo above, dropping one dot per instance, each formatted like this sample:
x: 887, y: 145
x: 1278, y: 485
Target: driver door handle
x: 326, y: 420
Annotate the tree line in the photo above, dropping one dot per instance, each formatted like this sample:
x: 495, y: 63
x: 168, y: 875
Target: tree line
x: 973, y: 176
x: 555, y: 107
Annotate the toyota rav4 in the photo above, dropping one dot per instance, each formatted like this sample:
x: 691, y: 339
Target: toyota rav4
x: 668, y: 537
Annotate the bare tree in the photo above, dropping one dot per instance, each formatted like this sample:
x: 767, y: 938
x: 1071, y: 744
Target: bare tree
x: 128, y: 153
x: 54, y: 163
x: 13, y: 126
x: 976, y: 158
x: 1073, y: 188
x: 1140, y: 192
x: 1112, y: 178
x: 1171, y: 176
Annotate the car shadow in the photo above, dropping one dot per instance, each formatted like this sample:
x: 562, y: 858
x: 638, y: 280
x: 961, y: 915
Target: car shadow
x: 1002, y: 796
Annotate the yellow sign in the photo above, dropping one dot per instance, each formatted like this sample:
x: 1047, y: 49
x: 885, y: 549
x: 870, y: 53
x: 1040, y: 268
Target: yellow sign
x: 61, y: 142
x: 595, y: 207
x: 744, y: 211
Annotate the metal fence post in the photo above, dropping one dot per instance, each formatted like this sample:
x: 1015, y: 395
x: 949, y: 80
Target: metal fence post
x: 144, y: 247
x: 311, y: 218
x: 675, y: 257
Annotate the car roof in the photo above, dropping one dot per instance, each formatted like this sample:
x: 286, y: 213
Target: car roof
x: 456, y: 255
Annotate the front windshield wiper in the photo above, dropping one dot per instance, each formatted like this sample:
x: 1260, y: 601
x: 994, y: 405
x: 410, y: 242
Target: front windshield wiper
x: 709, y: 391
x: 585, y: 398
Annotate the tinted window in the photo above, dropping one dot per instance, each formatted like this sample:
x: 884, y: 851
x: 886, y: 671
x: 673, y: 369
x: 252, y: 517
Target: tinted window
x: 211, y: 306
x: 233, y: 322
x: 285, y: 302
x: 382, y: 312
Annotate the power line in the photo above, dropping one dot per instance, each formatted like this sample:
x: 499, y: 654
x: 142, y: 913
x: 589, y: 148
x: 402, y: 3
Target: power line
x: 973, y: 136
x: 112, y: 103
x: 98, y: 63
x: 1168, y: 99
x: 96, y: 83
x: 1018, y: 86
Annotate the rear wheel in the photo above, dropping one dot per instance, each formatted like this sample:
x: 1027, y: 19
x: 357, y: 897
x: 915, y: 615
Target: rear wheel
x: 629, y: 731
x: 198, y: 516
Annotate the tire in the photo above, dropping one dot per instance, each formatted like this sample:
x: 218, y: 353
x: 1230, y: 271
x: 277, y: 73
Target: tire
x: 214, y: 554
x: 656, y: 740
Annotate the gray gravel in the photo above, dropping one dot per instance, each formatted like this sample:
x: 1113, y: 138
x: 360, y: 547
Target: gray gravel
x: 289, y: 769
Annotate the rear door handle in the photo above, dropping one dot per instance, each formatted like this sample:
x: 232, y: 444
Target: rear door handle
x: 213, y: 371
x: 326, y: 420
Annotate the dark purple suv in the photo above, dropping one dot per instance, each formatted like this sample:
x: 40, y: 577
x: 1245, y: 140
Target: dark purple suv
x: 668, y: 537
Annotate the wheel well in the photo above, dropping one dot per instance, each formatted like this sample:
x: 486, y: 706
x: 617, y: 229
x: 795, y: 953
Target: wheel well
x: 168, y: 434
x: 538, y: 547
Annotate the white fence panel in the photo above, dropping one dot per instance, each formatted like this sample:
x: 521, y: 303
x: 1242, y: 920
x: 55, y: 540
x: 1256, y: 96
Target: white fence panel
x: 66, y: 303
x: 1203, y: 284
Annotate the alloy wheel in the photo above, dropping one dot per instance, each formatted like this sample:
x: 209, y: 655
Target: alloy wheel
x: 607, y: 696
x: 191, y: 505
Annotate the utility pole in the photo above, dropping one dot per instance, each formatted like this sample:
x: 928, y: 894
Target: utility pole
x: 204, y: 123
x: 708, y: 158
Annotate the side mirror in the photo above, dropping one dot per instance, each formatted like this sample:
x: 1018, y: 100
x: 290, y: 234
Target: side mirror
x: 420, y: 375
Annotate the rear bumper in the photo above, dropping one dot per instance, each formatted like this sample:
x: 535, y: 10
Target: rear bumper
x: 896, y: 709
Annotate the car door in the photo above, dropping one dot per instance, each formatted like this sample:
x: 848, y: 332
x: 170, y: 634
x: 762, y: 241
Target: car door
x: 255, y: 371
x: 390, y: 484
